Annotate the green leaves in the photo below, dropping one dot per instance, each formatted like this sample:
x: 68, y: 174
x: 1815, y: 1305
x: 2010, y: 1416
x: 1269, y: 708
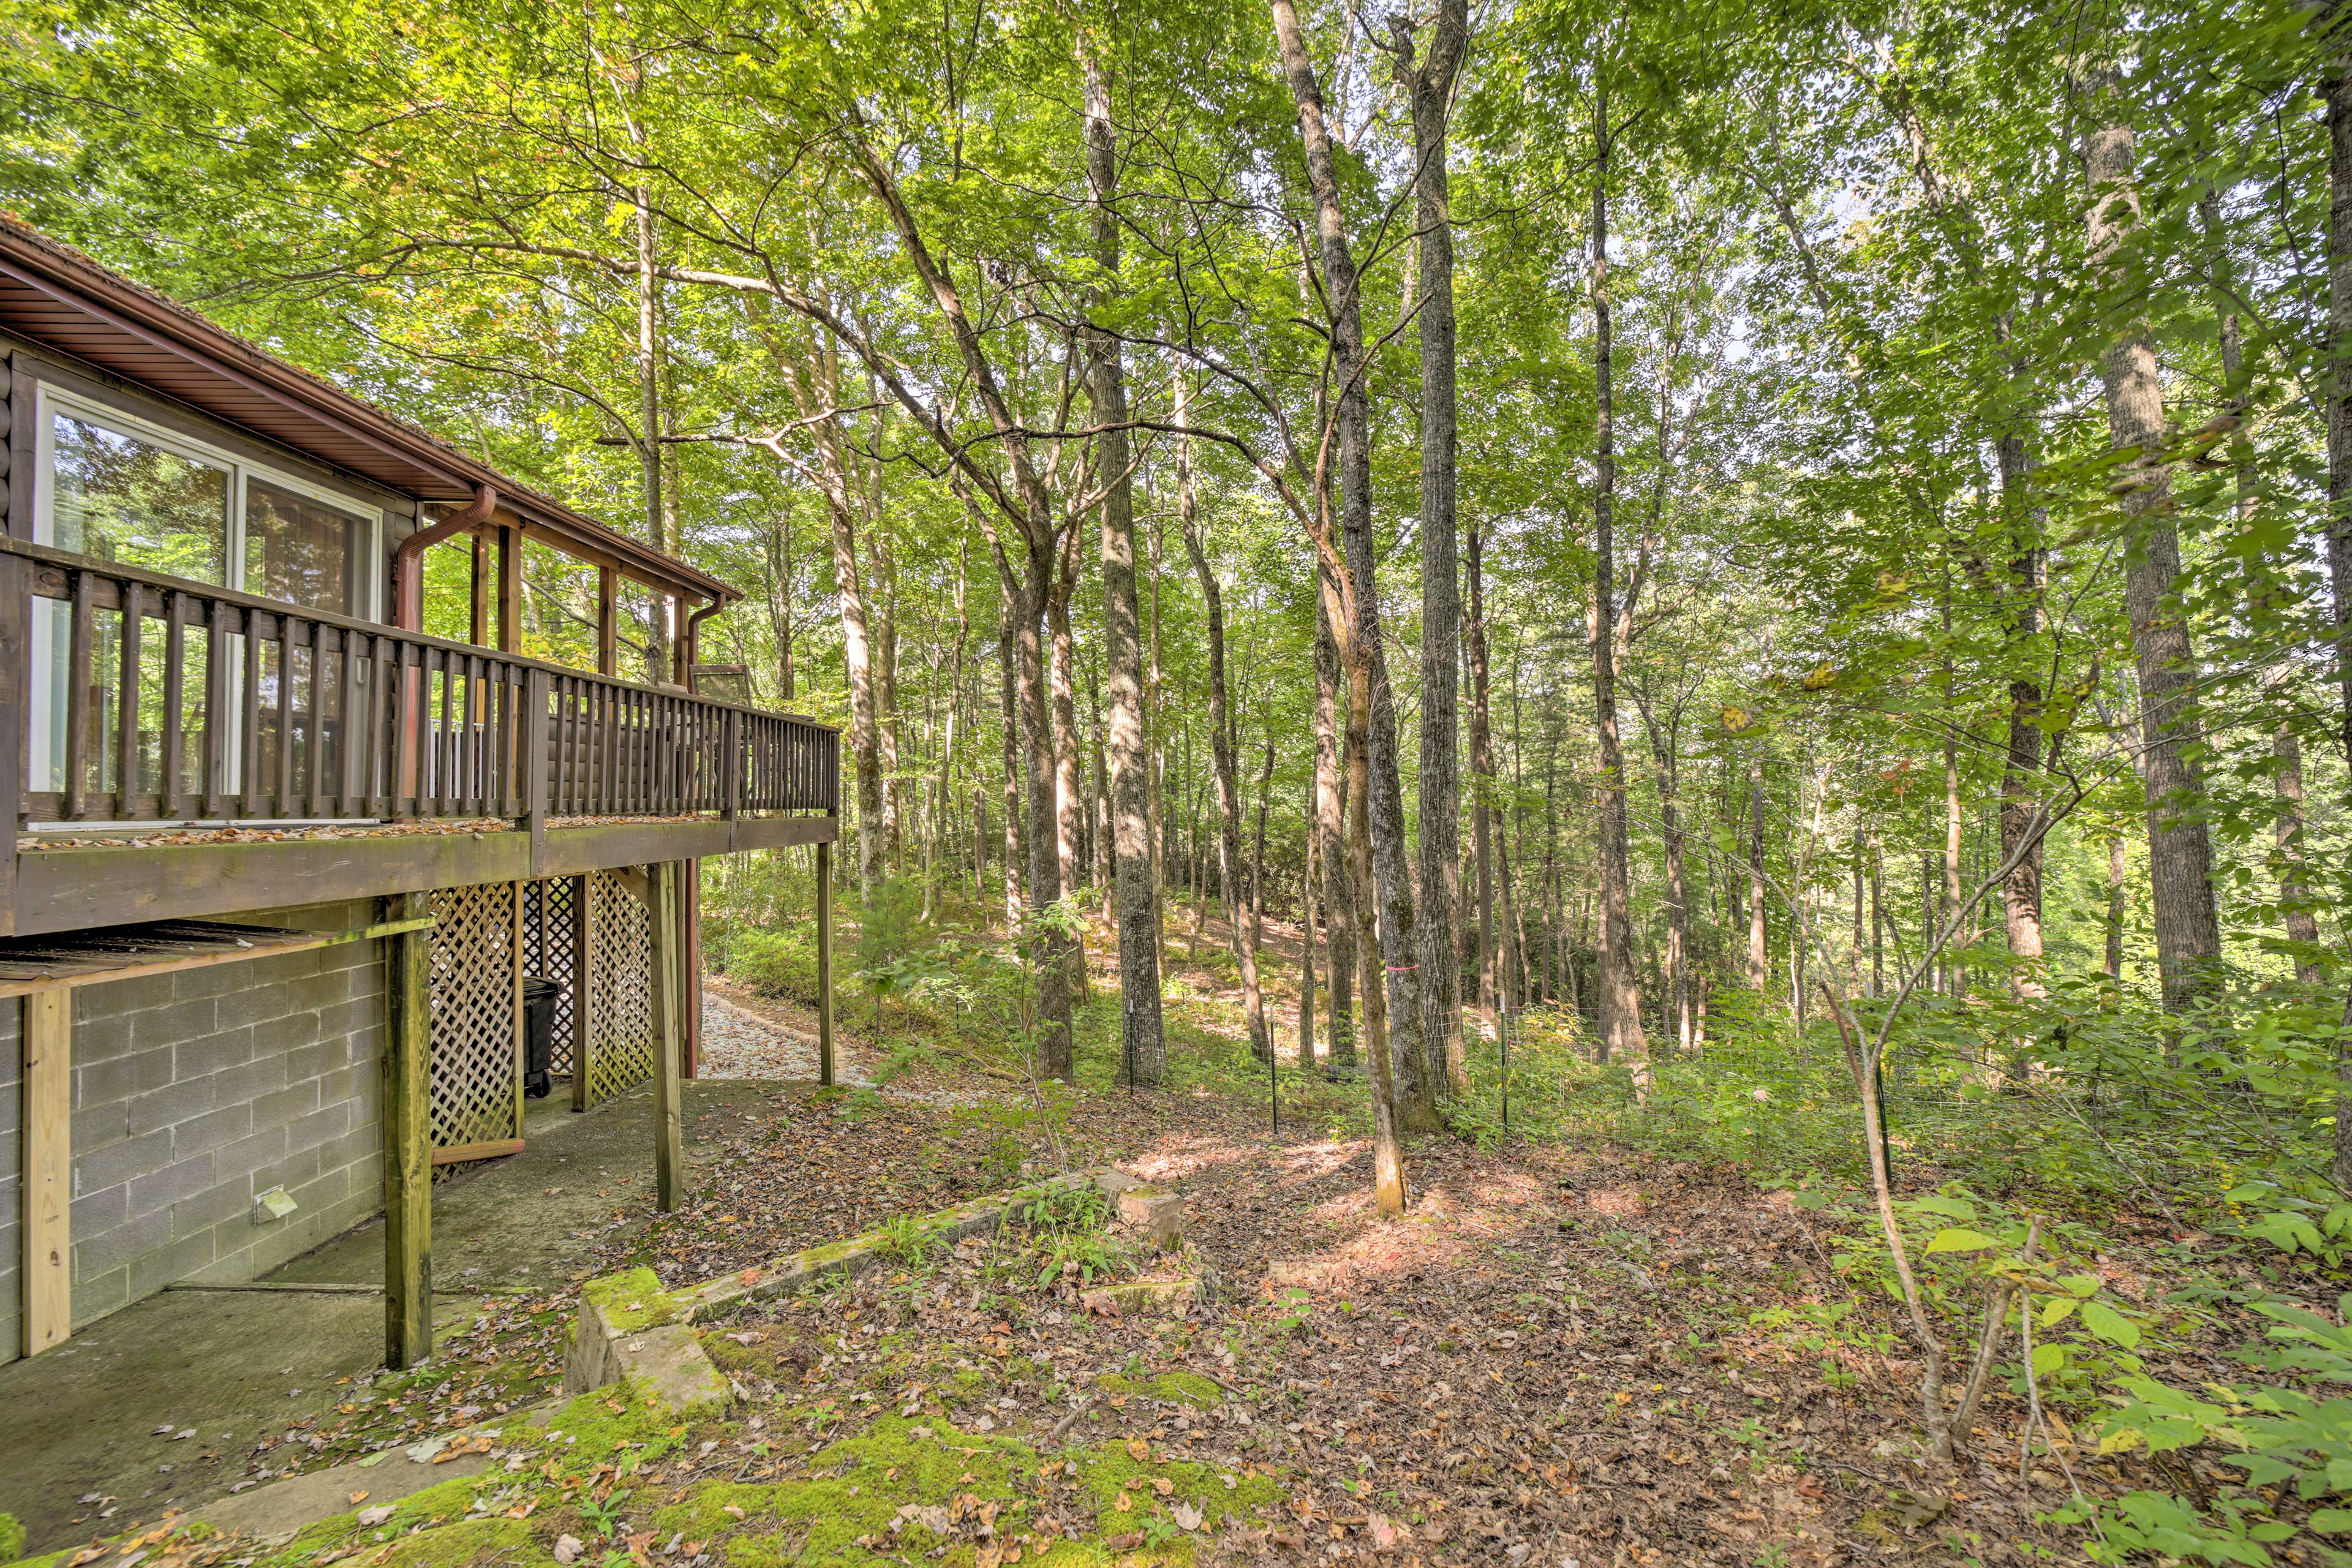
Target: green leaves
x: 1958, y: 1239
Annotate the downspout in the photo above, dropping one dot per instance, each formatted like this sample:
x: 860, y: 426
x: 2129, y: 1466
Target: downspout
x: 408, y: 561
x: 693, y: 639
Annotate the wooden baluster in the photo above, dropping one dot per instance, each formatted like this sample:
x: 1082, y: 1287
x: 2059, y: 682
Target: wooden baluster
x: 446, y: 734
x: 314, y: 731
x: 406, y: 696
x: 126, y: 706
x: 217, y: 726
x: 80, y: 699
x: 470, y: 791
x: 287, y: 804
x: 175, y: 694
x: 249, y: 734
x: 351, y: 708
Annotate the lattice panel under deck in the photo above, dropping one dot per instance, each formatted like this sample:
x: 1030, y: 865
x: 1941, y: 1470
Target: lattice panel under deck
x: 477, y: 1019
x: 621, y: 1013
x: 547, y: 953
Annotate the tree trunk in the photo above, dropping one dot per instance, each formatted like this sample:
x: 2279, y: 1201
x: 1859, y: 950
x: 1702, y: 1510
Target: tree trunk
x: 2020, y: 777
x: 1222, y: 740
x: 1481, y: 781
x: 1621, y: 997
x: 1331, y: 854
x: 1429, y: 89
x: 1665, y: 751
x: 1307, y: 944
x: 2180, y: 860
x: 1008, y: 716
x: 1758, y: 959
x: 1367, y: 665
x: 1143, y: 1037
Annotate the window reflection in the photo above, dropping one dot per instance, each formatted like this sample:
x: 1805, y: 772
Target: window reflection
x: 302, y: 551
x: 118, y: 498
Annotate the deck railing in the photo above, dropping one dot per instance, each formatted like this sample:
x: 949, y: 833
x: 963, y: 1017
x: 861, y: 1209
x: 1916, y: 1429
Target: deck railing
x: 135, y: 697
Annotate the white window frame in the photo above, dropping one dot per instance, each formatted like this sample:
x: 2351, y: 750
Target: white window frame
x: 50, y: 401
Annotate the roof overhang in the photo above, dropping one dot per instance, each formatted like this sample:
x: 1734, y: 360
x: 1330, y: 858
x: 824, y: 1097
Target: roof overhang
x: 57, y: 298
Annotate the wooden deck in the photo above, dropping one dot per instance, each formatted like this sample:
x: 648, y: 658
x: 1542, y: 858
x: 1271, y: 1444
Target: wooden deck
x: 184, y: 705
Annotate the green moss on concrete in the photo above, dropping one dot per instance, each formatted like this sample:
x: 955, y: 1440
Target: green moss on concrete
x: 12, y: 1538
x: 457, y: 1545
x: 632, y: 1300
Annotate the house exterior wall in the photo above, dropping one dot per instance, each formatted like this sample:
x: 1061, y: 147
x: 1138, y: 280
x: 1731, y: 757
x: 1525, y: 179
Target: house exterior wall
x: 194, y: 1093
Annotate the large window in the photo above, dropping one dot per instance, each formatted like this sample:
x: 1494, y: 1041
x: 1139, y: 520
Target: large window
x: 117, y: 488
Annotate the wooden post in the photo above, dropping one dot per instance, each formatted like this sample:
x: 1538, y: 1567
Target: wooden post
x: 608, y: 621
x: 584, y: 983
x: 48, y: 1034
x: 477, y: 623
x: 408, y: 1141
x: 15, y: 717
x: 824, y: 965
x: 509, y: 590
x: 669, y: 1136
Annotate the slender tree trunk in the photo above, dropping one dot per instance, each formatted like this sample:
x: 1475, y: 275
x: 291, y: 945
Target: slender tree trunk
x: 2180, y: 860
x: 1367, y: 665
x: 649, y: 407
x: 1429, y: 89
x: 1007, y: 631
x: 1307, y: 944
x: 2020, y: 778
x: 1331, y: 854
x: 1052, y: 953
x: 2118, y: 907
x: 1621, y: 997
x: 1143, y: 1035
x: 1482, y: 780
x: 1221, y: 738
x: 1759, y: 958
x: 1257, y: 891
x: 857, y: 656
x: 1665, y: 751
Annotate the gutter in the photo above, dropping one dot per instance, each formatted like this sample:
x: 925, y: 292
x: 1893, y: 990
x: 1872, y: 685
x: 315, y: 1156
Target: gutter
x: 408, y: 561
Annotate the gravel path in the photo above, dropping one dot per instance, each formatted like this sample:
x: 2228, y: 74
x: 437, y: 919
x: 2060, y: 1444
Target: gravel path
x: 740, y: 1043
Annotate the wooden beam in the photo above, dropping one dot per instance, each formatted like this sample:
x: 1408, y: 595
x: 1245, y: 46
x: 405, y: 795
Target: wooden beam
x: 509, y: 591
x: 73, y: 889
x: 459, y: 1153
x: 608, y: 622
x: 407, y: 1142
x: 48, y: 1036
x: 824, y: 965
x: 670, y: 1139
x: 583, y: 986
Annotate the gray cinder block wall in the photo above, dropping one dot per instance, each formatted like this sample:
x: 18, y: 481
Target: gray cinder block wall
x: 193, y: 1094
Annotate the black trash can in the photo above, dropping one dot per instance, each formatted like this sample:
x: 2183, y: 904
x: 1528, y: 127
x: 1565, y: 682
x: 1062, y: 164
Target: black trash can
x: 538, y: 1034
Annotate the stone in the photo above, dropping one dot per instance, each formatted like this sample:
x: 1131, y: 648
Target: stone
x: 1160, y: 1214
x: 1143, y: 1298
x: 279, y: 1511
x: 613, y: 1341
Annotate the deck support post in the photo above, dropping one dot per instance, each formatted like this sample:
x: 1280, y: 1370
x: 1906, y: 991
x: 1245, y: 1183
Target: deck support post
x: 408, y: 1141
x: 824, y: 965
x: 670, y: 1036
x: 48, y: 1036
